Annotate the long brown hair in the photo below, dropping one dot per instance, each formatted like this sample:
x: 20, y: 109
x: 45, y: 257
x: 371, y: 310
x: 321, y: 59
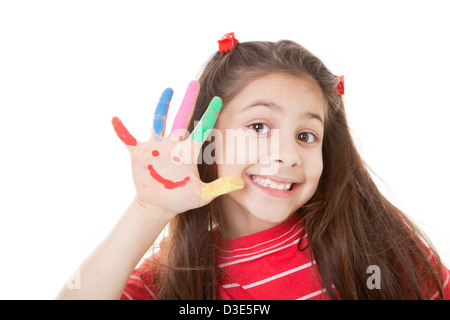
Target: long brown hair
x: 349, y: 224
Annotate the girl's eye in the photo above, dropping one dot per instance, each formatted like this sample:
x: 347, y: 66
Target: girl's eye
x: 306, y: 137
x: 260, y: 128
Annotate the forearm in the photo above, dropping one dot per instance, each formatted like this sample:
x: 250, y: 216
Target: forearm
x: 104, y: 273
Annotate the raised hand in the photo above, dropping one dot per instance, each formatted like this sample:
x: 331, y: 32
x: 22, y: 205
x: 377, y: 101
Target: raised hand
x: 167, y: 181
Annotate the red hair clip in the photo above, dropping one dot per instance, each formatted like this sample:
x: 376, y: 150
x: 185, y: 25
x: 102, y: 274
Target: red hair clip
x: 340, y: 87
x: 227, y: 42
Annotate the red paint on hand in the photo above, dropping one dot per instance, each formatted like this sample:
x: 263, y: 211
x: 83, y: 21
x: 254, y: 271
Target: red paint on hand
x: 155, y: 153
x: 123, y: 133
x: 168, y: 184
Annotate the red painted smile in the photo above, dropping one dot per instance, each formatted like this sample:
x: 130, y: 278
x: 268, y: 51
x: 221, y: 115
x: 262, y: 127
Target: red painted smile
x: 168, y: 184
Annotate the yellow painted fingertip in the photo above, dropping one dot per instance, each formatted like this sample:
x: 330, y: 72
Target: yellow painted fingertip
x: 222, y: 186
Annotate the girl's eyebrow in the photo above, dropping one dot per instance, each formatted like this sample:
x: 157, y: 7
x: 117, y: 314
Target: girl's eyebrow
x: 277, y: 108
x: 271, y: 105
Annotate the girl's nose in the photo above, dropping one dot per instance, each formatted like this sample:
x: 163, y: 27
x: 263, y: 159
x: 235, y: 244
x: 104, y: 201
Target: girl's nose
x: 288, y: 158
x: 286, y: 153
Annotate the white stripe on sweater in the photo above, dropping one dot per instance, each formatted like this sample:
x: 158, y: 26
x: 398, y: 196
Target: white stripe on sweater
x: 434, y: 296
x: 263, y: 250
x: 306, y: 297
x: 145, y: 286
x: 277, y: 276
x: 259, y: 244
x: 222, y: 265
x: 274, y: 277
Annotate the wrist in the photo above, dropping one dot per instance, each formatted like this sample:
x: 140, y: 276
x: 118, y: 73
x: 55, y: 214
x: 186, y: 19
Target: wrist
x: 151, y: 212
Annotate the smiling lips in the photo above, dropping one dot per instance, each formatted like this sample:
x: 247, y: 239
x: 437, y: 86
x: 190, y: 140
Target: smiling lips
x: 266, y: 182
x: 277, y: 187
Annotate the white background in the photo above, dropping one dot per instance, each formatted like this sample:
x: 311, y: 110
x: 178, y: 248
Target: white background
x: 68, y: 67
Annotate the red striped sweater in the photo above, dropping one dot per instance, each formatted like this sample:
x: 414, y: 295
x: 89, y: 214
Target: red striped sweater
x: 264, y: 265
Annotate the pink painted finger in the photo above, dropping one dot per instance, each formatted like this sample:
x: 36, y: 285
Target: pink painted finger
x: 123, y: 133
x: 184, y: 114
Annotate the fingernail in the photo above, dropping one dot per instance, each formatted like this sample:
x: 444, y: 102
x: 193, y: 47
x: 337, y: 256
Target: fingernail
x: 215, y: 105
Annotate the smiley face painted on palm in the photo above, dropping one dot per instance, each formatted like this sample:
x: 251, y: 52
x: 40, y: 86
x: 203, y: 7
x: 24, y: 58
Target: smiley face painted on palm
x: 129, y: 140
x: 168, y: 184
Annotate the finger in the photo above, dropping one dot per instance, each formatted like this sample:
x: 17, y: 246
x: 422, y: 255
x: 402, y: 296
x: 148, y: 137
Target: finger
x: 184, y: 114
x: 221, y: 186
x: 123, y: 133
x: 159, y: 119
x: 207, y: 121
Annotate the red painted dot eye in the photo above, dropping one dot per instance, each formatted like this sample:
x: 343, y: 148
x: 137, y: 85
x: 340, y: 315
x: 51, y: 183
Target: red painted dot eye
x: 155, y: 153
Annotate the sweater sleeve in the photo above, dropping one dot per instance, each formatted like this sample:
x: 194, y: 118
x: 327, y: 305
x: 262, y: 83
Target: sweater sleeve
x: 445, y: 285
x: 444, y: 279
x: 140, y: 285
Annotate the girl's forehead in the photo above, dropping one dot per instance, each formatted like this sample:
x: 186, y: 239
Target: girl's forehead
x: 282, y: 93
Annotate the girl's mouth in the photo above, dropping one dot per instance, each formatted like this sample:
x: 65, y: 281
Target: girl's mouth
x: 266, y: 182
x: 271, y: 187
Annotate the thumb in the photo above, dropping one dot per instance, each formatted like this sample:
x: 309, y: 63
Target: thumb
x: 221, y: 186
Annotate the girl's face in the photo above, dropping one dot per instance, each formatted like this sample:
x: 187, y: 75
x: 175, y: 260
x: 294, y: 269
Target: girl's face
x: 281, y: 119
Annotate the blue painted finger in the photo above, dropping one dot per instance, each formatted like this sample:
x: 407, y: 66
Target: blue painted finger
x: 159, y: 119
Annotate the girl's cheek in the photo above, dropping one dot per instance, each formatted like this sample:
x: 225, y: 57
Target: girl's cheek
x: 313, y: 164
x: 236, y: 147
x: 230, y: 170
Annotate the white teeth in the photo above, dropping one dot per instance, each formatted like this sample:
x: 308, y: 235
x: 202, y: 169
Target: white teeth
x: 271, y: 184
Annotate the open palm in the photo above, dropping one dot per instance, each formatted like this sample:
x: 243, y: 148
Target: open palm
x: 167, y: 181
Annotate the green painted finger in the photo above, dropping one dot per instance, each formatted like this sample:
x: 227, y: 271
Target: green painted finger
x: 208, y: 120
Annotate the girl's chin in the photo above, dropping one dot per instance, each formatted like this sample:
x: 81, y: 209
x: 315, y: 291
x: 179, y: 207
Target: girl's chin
x: 258, y: 209
x: 269, y: 212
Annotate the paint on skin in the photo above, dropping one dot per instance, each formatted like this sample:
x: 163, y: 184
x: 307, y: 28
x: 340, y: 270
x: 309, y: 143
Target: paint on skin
x: 159, y: 119
x: 123, y: 133
x: 168, y: 184
x: 207, y: 121
x: 187, y: 106
x: 221, y: 186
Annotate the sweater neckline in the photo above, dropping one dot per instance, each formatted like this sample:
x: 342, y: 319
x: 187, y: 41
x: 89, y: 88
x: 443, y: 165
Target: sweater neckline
x: 282, y: 234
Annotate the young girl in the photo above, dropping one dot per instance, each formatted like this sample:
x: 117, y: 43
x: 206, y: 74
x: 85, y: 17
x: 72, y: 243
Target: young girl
x: 301, y: 219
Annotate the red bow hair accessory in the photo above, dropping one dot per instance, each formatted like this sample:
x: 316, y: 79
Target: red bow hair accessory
x: 227, y: 42
x: 340, y: 87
